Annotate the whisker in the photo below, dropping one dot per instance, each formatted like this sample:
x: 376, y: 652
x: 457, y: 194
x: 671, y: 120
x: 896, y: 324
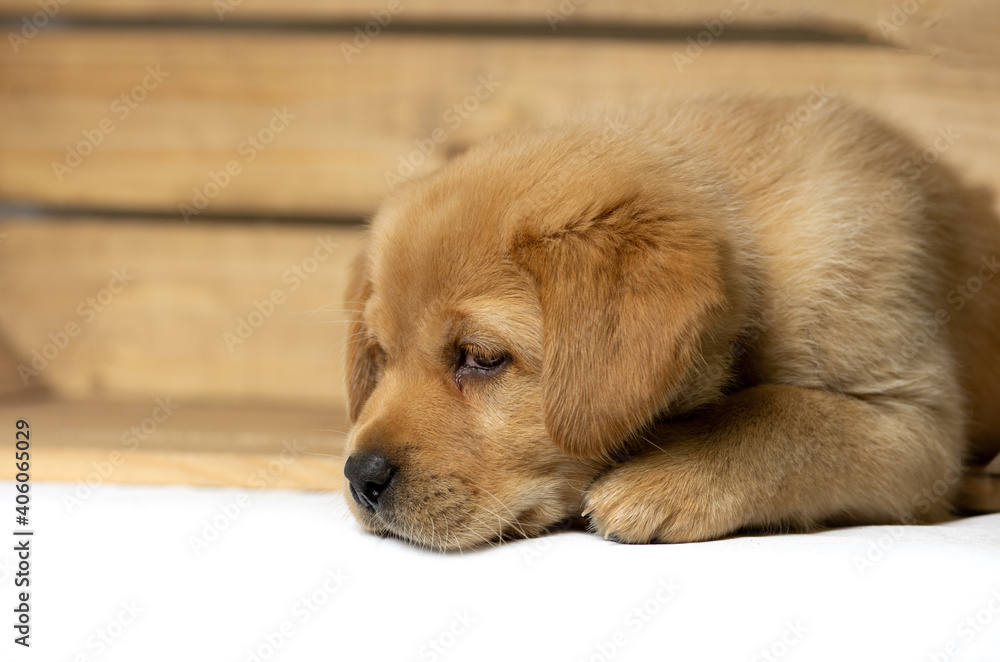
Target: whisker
x: 309, y: 313
x: 488, y: 542
x: 447, y: 536
x: 513, y: 523
x: 338, y: 457
x: 656, y: 446
x: 479, y: 535
x: 331, y: 307
x: 513, y: 520
x: 327, y: 430
x: 500, y: 521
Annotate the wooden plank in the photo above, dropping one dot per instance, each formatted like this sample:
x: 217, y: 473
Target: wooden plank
x: 771, y: 12
x: 356, y: 124
x: 10, y: 381
x: 11, y: 384
x: 94, y: 443
x: 123, y: 311
x: 939, y: 26
x: 97, y: 442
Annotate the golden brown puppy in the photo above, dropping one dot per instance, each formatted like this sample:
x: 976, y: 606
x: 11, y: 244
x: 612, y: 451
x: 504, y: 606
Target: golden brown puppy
x: 724, y: 314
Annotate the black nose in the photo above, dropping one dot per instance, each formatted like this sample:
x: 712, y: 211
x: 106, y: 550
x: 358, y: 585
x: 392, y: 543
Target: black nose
x: 370, y: 475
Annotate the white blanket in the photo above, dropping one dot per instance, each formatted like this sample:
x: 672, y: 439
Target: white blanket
x: 174, y: 573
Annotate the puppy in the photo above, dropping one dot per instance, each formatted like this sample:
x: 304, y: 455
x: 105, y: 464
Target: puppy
x: 722, y: 315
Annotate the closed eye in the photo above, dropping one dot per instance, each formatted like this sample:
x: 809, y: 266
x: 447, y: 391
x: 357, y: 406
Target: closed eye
x: 473, y: 358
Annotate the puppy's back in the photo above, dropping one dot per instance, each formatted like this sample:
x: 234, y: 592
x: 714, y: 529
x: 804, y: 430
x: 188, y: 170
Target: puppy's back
x: 876, y: 259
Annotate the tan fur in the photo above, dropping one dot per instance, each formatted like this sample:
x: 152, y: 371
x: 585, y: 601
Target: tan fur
x: 717, y: 318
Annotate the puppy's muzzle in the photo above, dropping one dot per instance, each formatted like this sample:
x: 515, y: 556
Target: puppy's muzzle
x: 370, y: 475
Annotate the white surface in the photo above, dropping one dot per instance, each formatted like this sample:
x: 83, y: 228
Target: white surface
x: 876, y: 593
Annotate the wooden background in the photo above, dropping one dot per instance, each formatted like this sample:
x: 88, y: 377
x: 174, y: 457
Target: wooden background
x: 146, y: 103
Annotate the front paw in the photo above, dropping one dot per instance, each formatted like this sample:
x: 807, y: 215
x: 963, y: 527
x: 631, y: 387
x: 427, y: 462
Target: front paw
x: 645, y: 501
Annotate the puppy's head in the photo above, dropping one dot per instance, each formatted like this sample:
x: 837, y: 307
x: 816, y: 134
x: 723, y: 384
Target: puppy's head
x: 522, y: 315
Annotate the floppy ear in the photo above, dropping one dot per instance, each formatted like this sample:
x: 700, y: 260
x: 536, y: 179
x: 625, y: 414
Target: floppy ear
x: 626, y: 293
x: 362, y: 353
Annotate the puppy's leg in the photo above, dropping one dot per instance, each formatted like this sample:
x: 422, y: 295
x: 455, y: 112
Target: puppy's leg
x: 782, y: 456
